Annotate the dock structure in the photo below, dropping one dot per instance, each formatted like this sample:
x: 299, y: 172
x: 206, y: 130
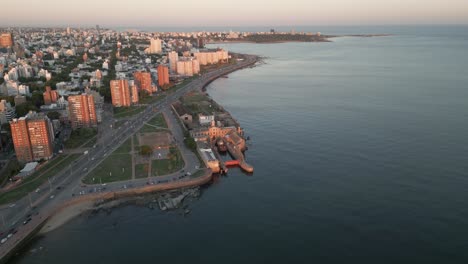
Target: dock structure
x: 239, y: 156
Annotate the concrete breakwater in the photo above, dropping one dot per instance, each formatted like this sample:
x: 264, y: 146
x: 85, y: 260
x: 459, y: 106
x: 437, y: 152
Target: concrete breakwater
x: 11, y: 246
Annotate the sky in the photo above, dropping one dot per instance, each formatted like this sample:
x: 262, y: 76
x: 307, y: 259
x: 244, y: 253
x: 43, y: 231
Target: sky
x: 148, y: 13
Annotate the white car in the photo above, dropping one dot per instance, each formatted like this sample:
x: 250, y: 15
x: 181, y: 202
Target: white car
x: 4, y: 240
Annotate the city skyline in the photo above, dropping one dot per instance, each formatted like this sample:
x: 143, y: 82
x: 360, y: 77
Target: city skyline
x: 258, y: 13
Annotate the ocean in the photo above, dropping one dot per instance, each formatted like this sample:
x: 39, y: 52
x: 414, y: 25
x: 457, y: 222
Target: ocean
x: 360, y: 149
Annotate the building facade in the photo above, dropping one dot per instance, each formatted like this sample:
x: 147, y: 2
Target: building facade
x: 32, y: 137
x: 163, y: 75
x: 173, y: 58
x: 6, y: 40
x: 82, y: 111
x: 143, y: 81
x: 188, y: 67
x: 120, y: 93
x: 50, y: 96
x: 155, y: 47
x: 7, y: 112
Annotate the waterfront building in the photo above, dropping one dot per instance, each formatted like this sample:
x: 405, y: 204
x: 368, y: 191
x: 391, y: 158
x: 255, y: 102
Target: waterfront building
x: 32, y: 137
x: 120, y: 93
x: 188, y: 67
x: 155, y: 47
x: 184, y: 115
x: 50, y: 96
x: 82, y: 111
x: 205, y: 120
x: 163, y: 75
x: 6, y: 40
x: 210, y: 132
x: 209, y: 159
x: 173, y: 58
x: 143, y: 81
x: 212, y: 57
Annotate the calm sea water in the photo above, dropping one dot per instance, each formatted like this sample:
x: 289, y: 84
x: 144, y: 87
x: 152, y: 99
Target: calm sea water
x: 360, y: 149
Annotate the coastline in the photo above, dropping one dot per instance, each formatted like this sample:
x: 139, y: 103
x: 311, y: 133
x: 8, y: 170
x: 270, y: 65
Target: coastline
x: 55, y: 217
x: 325, y: 39
x: 65, y: 215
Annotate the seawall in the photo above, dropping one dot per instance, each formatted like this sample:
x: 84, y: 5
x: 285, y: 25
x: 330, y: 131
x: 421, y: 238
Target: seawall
x: 21, y: 239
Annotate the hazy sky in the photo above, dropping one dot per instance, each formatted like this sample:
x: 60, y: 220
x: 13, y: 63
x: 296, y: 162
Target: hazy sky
x: 232, y: 12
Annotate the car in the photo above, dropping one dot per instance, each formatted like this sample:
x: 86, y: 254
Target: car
x: 38, y: 190
x: 4, y: 240
x: 9, y: 235
x: 52, y: 196
x: 85, y: 169
x: 11, y: 205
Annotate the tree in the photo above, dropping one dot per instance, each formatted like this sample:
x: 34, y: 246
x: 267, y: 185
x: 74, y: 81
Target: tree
x: 146, y: 150
x: 37, y: 99
x: 9, y: 99
x: 22, y: 110
x: 53, y: 115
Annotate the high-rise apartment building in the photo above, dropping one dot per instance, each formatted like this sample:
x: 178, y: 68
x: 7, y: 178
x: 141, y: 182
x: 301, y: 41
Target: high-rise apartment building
x: 173, y: 58
x: 155, y: 47
x: 120, y: 93
x: 50, y: 96
x: 143, y: 81
x: 6, y: 40
x: 212, y: 57
x: 33, y: 136
x: 163, y: 75
x: 82, y: 111
x: 7, y: 112
x: 188, y: 67
x: 134, y: 92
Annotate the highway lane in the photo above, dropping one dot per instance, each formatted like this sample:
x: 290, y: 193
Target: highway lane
x: 61, y: 187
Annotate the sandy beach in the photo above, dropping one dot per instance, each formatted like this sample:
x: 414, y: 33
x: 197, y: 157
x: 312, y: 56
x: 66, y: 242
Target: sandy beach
x: 66, y: 215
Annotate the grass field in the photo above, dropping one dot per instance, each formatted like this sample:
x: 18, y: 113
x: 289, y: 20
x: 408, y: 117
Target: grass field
x: 141, y: 171
x: 116, y: 167
x: 81, y: 136
x: 125, y: 148
x: 152, y: 99
x: 151, y: 126
x: 32, y: 182
x: 120, y: 112
x: 167, y: 166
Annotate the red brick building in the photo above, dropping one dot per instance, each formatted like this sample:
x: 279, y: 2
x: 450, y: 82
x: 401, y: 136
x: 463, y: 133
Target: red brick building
x: 143, y: 81
x: 82, y: 111
x: 6, y: 40
x: 120, y: 93
x: 32, y: 137
x: 163, y: 75
x: 50, y: 96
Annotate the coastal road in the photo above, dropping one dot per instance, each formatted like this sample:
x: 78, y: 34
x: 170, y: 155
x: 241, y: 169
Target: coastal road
x: 61, y: 187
